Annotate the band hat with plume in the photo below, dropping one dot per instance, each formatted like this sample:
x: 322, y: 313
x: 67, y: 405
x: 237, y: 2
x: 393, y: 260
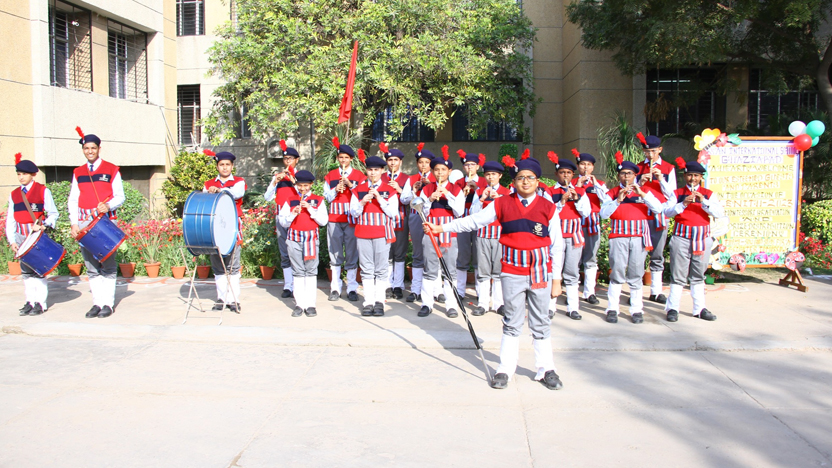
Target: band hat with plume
x: 24, y: 165
x: 87, y: 138
x: 444, y: 160
x: 623, y: 165
x: 345, y: 149
x: 288, y: 150
x: 692, y: 167
x: 649, y: 142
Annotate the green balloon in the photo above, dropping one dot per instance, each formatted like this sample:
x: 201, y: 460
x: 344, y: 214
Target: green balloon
x: 815, y: 141
x: 815, y: 128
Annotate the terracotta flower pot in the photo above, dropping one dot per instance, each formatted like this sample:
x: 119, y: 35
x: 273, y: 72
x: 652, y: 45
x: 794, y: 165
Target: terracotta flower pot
x: 202, y: 271
x: 127, y: 269
x: 178, y: 272
x: 152, y: 269
x: 75, y: 269
x: 14, y: 268
x: 267, y: 272
x: 409, y: 273
x: 472, y: 277
x: 328, y: 274
x: 647, y: 279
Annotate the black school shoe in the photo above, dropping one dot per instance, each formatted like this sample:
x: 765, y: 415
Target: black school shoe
x: 661, y: 299
x: 398, y: 293
x: 352, y: 296
x: 93, y: 312
x: 672, y: 315
x: 367, y: 311
x: 378, y: 309
x: 592, y: 299
x: 551, y: 380
x: 501, y: 311
x: 26, y: 309
x: 574, y: 315
x: 36, y: 310
x: 452, y: 313
x: 388, y: 293
x: 219, y: 305
x: 297, y: 312
x: 235, y: 307
x: 287, y: 293
x: 612, y: 316
x: 638, y: 317
x: 424, y: 311
x: 310, y: 312
x: 478, y: 311
x: 500, y: 381
x: 412, y: 297
x: 106, y: 311
x: 334, y: 296
x: 706, y: 314
x: 440, y: 298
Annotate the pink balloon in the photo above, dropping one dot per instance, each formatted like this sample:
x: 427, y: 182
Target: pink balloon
x: 802, y: 142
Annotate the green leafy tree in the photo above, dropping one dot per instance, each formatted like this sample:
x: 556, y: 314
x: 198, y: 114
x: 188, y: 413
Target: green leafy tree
x: 287, y: 62
x: 188, y: 174
x: 783, y: 37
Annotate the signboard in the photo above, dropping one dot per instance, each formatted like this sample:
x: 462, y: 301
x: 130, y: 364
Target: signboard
x: 759, y: 181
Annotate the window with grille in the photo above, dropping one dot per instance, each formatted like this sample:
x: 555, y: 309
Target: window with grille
x: 188, y: 114
x: 127, y: 49
x: 763, y: 103
x: 243, y: 129
x: 190, y: 17
x: 70, y: 46
x: 414, y: 130
x: 493, y: 131
x: 682, y: 96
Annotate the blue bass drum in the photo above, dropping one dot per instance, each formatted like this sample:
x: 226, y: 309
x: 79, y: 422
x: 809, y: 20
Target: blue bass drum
x: 209, y: 221
x: 41, y: 253
x: 101, y: 237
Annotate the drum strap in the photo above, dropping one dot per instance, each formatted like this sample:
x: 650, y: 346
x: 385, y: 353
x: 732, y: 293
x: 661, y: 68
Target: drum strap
x: 28, y: 207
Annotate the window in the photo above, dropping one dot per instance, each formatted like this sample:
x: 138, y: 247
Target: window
x: 244, y: 131
x: 127, y: 50
x: 414, y: 130
x: 763, y: 103
x: 70, y: 46
x: 190, y: 17
x: 682, y: 96
x: 493, y: 131
x: 188, y: 114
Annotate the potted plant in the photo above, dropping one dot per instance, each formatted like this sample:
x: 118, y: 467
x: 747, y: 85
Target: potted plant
x: 259, y: 249
x: 126, y: 257
x: 173, y: 253
x: 202, y: 270
x: 151, y: 238
x: 74, y: 261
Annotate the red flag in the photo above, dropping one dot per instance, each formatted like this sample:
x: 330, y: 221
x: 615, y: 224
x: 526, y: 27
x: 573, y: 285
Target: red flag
x: 346, y: 103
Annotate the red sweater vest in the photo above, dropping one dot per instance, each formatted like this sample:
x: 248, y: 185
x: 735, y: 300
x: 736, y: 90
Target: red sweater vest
x: 416, y: 178
x: 440, y: 210
x: 493, y: 230
x: 232, y: 181
x: 400, y: 179
x: 98, y: 183
x: 668, y: 170
x: 571, y: 221
x: 35, y: 196
x: 303, y: 221
x: 373, y: 222
x: 525, y: 237
x: 339, y: 208
x: 694, y: 214
x: 591, y: 193
x: 469, y: 199
x: 283, y: 191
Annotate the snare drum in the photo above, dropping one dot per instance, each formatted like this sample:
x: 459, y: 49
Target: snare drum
x: 40, y: 253
x: 209, y: 221
x: 101, y: 237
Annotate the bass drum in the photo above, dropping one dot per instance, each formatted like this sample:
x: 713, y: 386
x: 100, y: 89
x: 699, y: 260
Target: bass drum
x: 209, y: 221
x: 41, y: 253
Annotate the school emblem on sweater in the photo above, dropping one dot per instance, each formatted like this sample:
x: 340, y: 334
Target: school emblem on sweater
x: 105, y: 178
x: 538, y: 229
x: 34, y: 207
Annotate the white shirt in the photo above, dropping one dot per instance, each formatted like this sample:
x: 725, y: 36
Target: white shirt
x: 407, y: 192
x: 329, y: 192
x: 48, y: 208
x: 457, y: 203
x: 390, y: 207
x: 712, y: 206
x: 671, y: 178
x: 285, y: 216
x: 583, y: 206
x: 271, y: 191
x: 237, y: 189
x: 75, y: 193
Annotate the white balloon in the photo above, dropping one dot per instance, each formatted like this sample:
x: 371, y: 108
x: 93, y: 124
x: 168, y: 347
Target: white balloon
x: 797, y: 128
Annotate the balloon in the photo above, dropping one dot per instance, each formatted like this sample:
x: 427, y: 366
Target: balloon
x: 815, y: 128
x: 802, y: 142
x: 815, y: 141
x: 797, y: 128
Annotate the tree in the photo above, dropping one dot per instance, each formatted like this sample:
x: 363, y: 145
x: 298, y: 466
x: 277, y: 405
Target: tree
x: 287, y: 62
x: 783, y: 37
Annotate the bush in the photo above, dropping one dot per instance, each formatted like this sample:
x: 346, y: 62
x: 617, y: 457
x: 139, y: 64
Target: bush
x: 188, y: 174
x: 507, y: 149
x: 816, y: 220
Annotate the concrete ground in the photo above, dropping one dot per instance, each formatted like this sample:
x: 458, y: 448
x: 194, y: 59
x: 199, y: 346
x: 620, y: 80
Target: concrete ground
x: 264, y: 389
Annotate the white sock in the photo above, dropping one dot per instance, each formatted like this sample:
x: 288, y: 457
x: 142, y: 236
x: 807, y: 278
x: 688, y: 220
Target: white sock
x: 613, y: 297
x: 30, y: 289
x: 509, y: 354
x: 335, y: 284
x: 108, y: 291
x: 636, y: 301
x: 398, y: 272
x: 655, y: 283
x: 42, y: 292
x: 543, y: 360
x: 352, y: 283
x: 461, y: 281
x: 288, y: 279
x: 95, y: 289
x: 427, y: 293
x: 450, y: 299
x: 484, y: 294
x: 222, y: 287
x: 589, y: 281
x: 369, y: 290
x: 312, y: 291
x: 416, y: 283
x: 572, y: 299
x: 674, y: 298
x: 235, y: 288
x: 697, y: 292
x: 381, y: 290
x: 497, y: 294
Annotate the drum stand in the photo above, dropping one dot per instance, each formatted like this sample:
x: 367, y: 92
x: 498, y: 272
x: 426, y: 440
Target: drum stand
x: 193, y: 294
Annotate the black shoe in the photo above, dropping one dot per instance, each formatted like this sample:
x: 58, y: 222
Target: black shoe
x: 706, y: 315
x: 287, y: 293
x: 234, y: 307
x: 106, y: 311
x: 574, y: 315
x: 612, y: 316
x: 592, y: 299
x: 551, y: 314
x: 551, y: 380
x: 672, y: 315
x: 388, y: 293
x: 424, y: 311
x: 36, y: 310
x: 352, y: 296
x: 297, y: 312
x: 500, y: 381
x: 93, y: 312
x: 440, y: 299
x: 452, y: 313
x: 501, y: 311
x: 219, y: 305
x: 398, y: 293
x: 412, y: 297
x: 26, y: 309
x: 367, y: 311
x: 310, y: 312
x: 661, y: 299
x: 378, y: 309
x: 478, y: 311
x: 638, y: 317
x: 334, y: 296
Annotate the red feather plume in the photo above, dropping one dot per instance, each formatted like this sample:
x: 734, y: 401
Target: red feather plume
x: 283, y: 145
x: 445, y: 152
x: 461, y: 153
x: 361, y: 156
x: 576, y: 153
x: 681, y: 162
x: 526, y: 154
x: 383, y: 147
x: 641, y: 138
x: 508, y: 161
x: 17, y: 158
x: 80, y: 132
x: 481, y: 162
x: 208, y: 152
x: 336, y: 142
x: 553, y: 156
x: 619, y: 158
x: 420, y: 146
x: 291, y: 171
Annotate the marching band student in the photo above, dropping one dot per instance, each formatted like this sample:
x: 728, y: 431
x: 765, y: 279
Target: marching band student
x: 96, y: 188
x: 395, y: 178
x: 596, y: 191
x: 340, y: 232
x: 531, y: 238
x: 489, y: 251
x: 690, y: 245
x: 301, y: 214
x: 573, y: 206
x: 661, y: 175
x: 412, y: 189
x: 375, y: 206
x: 628, y: 208
x: 31, y: 209
x: 280, y: 189
x: 229, y: 264
x: 443, y: 201
x: 466, y: 241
